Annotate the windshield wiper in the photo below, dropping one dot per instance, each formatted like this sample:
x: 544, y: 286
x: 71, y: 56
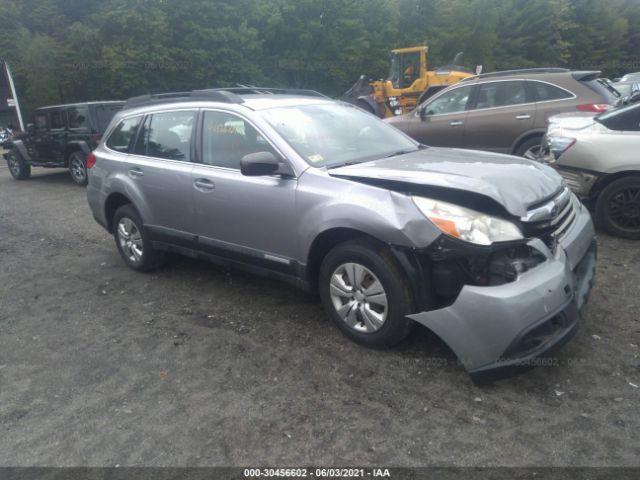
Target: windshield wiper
x: 404, y: 152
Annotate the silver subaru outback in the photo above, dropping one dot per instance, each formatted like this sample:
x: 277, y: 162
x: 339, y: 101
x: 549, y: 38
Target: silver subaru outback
x: 490, y: 252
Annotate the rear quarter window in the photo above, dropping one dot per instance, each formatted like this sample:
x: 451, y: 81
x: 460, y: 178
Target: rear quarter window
x: 122, y: 136
x: 545, y: 92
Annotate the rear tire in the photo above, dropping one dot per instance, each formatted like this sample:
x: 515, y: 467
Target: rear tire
x: 78, y: 168
x: 618, y: 208
x: 18, y: 167
x: 366, y: 294
x: 530, y: 149
x: 132, y: 242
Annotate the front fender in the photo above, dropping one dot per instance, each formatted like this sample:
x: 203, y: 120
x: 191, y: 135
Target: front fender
x: 20, y: 146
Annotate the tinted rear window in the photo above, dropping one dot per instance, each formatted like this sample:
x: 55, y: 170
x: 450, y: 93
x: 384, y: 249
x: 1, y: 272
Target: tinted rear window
x: 104, y: 114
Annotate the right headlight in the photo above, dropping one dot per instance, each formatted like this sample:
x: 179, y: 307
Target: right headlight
x: 467, y: 224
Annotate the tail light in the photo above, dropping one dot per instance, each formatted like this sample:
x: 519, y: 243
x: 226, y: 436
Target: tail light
x: 91, y: 160
x: 559, y: 145
x: 594, y: 107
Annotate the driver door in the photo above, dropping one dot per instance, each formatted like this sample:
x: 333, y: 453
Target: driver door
x: 443, y: 122
x: 244, y: 218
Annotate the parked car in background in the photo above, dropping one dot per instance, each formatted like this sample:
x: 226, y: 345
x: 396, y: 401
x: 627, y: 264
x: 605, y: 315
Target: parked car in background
x: 629, y: 77
x: 492, y: 253
x: 599, y: 157
x: 60, y: 136
x: 504, y: 112
x: 626, y: 89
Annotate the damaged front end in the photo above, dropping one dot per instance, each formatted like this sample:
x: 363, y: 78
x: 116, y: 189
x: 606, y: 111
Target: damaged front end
x: 505, y: 307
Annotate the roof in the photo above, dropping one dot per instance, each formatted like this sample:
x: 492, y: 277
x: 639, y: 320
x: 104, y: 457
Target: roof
x: 95, y: 102
x: 252, y: 97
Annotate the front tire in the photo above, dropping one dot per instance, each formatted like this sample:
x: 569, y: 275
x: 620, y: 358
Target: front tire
x: 18, y: 167
x: 132, y: 242
x: 78, y: 168
x: 618, y: 208
x: 366, y: 294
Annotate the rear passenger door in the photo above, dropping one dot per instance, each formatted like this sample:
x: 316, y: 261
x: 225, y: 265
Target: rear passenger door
x: 501, y: 112
x: 245, y: 218
x: 160, y: 166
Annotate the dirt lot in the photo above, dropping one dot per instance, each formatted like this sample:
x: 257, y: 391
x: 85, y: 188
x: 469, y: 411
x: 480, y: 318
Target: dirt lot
x: 193, y: 365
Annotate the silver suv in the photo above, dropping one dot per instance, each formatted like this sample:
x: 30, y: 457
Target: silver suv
x: 490, y: 252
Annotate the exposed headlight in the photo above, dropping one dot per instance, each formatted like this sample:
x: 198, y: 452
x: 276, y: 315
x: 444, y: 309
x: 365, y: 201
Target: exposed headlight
x: 467, y: 224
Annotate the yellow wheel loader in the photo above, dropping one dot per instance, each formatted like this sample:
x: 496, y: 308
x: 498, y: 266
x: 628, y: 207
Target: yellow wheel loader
x: 408, y: 84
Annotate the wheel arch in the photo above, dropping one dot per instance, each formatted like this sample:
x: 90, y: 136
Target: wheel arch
x: 71, y: 147
x: 21, y: 147
x: 525, y: 137
x: 606, y: 180
x: 322, y: 245
x: 112, y: 204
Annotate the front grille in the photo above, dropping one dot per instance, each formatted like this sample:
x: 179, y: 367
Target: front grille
x: 552, y: 220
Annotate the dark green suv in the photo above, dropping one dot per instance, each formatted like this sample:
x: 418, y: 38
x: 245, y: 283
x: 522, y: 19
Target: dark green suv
x: 60, y: 136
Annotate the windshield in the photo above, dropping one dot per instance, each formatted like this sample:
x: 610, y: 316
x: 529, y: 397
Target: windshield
x: 330, y: 135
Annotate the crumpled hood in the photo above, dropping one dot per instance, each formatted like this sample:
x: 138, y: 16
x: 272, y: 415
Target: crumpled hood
x: 514, y: 182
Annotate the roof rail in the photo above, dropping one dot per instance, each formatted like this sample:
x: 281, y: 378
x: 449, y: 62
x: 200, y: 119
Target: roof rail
x: 522, y: 71
x: 224, y: 95
x: 253, y: 90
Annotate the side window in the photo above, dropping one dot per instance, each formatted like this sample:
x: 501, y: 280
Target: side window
x: 40, y: 121
x: 451, y: 102
x: 78, y: 117
x: 545, y: 92
x: 167, y: 135
x: 122, y: 135
x: 501, y: 94
x: 57, y: 119
x: 226, y: 138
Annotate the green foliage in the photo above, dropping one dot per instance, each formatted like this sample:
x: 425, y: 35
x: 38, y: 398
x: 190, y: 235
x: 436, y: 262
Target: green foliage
x: 73, y: 50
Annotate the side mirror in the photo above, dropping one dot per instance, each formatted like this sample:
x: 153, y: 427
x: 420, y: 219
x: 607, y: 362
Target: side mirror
x: 263, y: 163
x: 425, y: 112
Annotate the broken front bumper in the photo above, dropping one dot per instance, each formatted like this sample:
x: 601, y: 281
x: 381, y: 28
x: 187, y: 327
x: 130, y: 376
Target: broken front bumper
x: 498, y: 330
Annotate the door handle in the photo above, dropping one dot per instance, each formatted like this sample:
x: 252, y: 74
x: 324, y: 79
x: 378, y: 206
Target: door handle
x: 204, y: 184
x: 523, y: 116
x: 135, y: 172
x: 456, y: 123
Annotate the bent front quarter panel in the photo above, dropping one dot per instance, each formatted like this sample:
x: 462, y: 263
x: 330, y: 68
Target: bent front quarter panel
x: 324, y: 202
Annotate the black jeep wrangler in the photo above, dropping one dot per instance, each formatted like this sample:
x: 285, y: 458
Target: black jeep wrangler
x: 60, y: 137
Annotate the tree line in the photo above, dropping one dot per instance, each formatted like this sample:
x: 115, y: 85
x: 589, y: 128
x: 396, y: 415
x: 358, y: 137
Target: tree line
x: 74, y: 50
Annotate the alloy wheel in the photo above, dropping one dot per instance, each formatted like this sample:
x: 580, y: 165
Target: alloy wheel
x: 14, y: 165
x: 624, y: 208
x: 77, y: 168
x: 358, y: 297
x: 130, y: 239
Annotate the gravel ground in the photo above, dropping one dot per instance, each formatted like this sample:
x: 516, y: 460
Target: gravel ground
x: 194, y: 365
